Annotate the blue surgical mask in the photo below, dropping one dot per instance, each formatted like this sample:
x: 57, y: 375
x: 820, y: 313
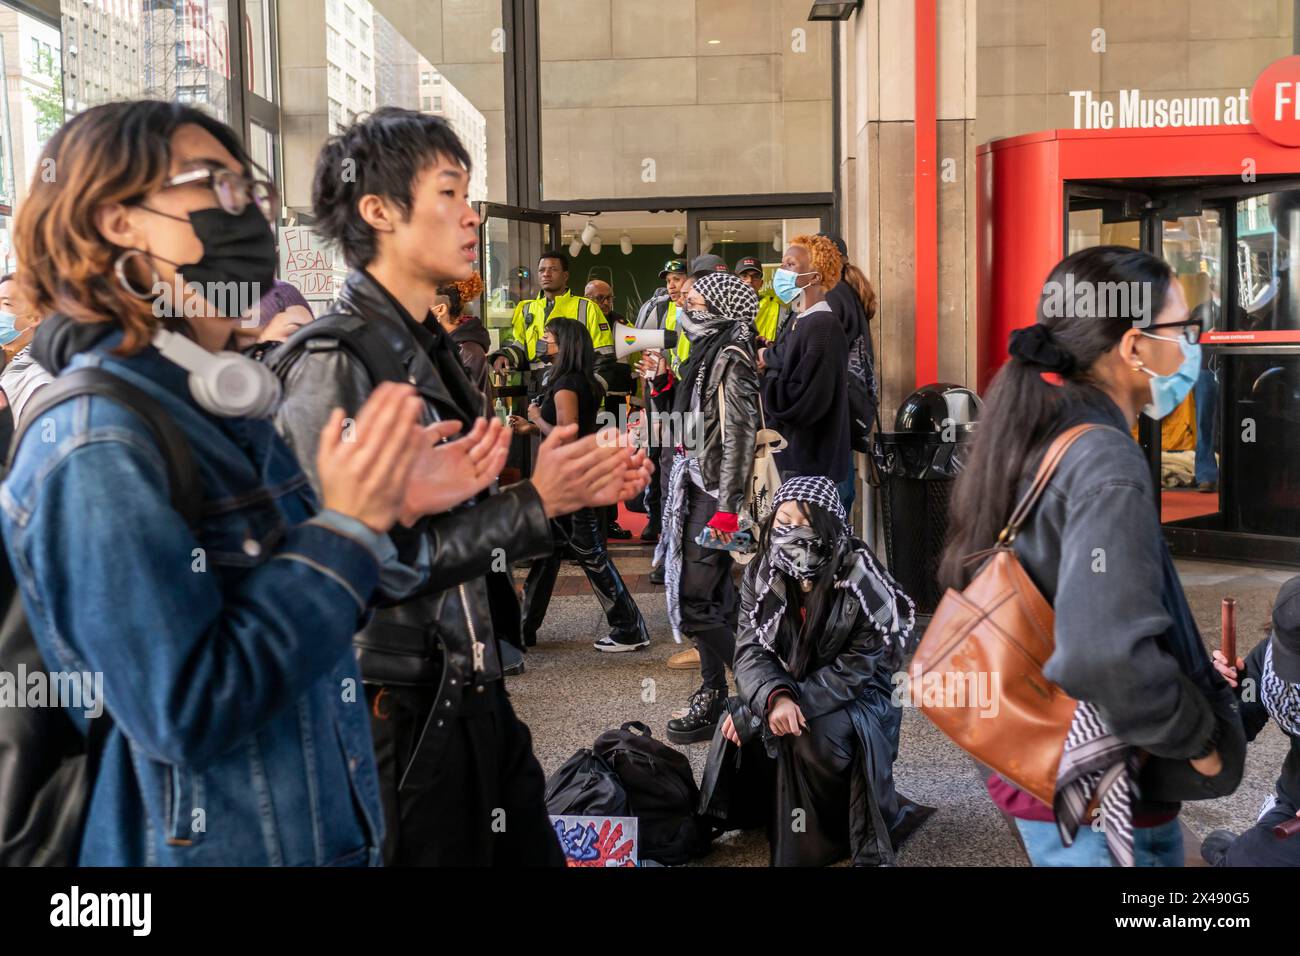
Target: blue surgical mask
x: 1168, y: 391
x: 7, y: 331
x: 785, y: 283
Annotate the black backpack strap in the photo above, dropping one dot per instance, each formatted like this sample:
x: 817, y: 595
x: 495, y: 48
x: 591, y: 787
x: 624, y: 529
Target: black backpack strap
x: 350, y: 332
x: 182, y: 472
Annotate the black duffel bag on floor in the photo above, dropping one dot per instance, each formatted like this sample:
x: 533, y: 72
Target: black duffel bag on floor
x: 661, y: 792
x: 586, y: 785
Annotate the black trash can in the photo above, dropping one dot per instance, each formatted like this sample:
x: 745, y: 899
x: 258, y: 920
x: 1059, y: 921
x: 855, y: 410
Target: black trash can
x: 916, y: 464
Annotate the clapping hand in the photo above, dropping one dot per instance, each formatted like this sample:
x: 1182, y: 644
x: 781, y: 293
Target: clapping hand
x: 447, y: 473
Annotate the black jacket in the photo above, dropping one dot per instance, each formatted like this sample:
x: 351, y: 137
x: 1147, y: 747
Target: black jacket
x: 725, y: 465
x: 834, y: 680
x: 854, y: 674
x: 806, y: 399
x: 436, y: 633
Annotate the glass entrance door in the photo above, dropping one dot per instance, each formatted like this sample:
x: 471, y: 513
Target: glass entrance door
x: 510, y: 242
x: 1226, y: 463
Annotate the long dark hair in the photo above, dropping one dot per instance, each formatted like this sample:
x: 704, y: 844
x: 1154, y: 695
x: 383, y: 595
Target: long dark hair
x: 575, y: 354
x: 819, y: 600
x: 1021, y: 408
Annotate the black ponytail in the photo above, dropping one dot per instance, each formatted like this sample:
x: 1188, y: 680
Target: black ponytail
x: 1075, y: 329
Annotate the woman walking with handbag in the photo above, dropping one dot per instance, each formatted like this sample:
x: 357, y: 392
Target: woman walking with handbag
x: 717, y: 398
x: 1153, y: 724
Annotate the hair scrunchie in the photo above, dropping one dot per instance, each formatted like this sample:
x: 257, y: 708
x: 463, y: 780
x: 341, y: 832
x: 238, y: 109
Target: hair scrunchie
x: 1036, y: 345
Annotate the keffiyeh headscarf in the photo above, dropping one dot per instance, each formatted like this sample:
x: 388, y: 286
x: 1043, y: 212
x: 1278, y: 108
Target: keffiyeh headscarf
x: 1280, y: 698
x: 730, y: 300
x: 891, y: 612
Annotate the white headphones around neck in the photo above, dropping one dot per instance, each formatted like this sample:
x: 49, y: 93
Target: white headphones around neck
x: 224, y: 383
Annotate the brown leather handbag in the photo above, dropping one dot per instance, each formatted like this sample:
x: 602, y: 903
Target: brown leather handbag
x: 978, y: 671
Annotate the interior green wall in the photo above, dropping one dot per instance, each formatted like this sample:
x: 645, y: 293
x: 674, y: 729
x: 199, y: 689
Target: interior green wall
x: 635, y: 277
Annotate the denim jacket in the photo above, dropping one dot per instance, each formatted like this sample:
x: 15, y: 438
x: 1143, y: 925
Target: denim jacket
x: 240, y: 734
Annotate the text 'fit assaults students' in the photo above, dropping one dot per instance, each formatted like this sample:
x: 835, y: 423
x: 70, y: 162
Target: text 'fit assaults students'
x: 454, y: 761
x: 239, y: 735
x: 1154, y: 724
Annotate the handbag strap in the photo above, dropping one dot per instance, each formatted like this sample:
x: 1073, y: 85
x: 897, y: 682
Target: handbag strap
x: 1055, y: 452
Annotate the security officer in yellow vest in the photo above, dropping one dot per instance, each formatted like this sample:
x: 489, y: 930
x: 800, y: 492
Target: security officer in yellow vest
x: 519, y: 352
x: 769, y: 306
x: 661, y: 310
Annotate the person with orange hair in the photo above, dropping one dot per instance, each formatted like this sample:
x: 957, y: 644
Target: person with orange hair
x: 805, y: 380
x: 467, y: 331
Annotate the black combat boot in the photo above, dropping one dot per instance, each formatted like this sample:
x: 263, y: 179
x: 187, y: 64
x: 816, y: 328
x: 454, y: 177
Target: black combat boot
x: 706, y: 708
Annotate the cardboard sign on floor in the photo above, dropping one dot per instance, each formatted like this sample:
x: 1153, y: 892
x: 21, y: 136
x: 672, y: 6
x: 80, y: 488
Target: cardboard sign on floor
x: 596, y: 840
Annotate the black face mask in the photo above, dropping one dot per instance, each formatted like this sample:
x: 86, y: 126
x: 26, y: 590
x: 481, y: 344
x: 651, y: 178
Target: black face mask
x: 239, y: 258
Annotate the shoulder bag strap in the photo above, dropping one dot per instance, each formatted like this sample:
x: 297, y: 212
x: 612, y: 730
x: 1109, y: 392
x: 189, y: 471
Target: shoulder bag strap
x: 182, y: 472
x: 354, y: 335
x: 1055, y: 452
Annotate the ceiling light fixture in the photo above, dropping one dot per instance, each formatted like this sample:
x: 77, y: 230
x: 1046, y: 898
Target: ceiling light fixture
x: 575, y: 246
x: 588, y: 233
x: 679, y: 243
x: 595, y: 245
x: 625, y: 243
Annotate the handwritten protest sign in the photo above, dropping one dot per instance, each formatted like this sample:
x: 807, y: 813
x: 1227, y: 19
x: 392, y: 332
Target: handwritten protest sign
x: 308, y: 263
x: 596, y: 841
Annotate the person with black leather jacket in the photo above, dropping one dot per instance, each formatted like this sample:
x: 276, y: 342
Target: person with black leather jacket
x: 823, y: 629
x: 716, y: 402
x: 458, y: 778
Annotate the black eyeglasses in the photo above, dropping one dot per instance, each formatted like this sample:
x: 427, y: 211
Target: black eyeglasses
x: 234, y: 191
x: 1191, y: 331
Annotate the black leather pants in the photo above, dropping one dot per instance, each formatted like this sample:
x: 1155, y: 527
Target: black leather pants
x: 587, y: 547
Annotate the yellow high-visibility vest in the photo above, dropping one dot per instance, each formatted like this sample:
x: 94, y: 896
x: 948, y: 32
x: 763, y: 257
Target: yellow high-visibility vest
x: 530, y: 318
x: 683, y: 343
x: 769, y: 312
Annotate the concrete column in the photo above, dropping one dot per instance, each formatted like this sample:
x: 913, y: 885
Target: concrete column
x: 304, y: 102
x: 876, y: 170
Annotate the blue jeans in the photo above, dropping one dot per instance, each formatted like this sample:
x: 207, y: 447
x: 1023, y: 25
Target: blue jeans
x: 1206, y: 392
x: 1152, y: 846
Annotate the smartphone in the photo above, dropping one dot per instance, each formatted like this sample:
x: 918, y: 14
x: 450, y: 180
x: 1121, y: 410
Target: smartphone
x: 741, y: 541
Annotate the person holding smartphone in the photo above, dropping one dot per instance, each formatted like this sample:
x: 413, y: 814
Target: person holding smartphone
x: 716, y: 399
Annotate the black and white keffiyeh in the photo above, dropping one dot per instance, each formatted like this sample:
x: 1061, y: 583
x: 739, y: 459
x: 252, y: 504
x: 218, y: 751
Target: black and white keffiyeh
x: 668, y: 552
x: 729, y: 298
x: 1096, y: 764
x: 1280, y: 698
x: 891, y: 612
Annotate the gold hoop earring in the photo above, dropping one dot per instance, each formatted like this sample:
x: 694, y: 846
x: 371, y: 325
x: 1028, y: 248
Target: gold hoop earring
x: 119, y: 269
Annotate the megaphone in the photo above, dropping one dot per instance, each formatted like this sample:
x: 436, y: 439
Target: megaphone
x: 628, y: 340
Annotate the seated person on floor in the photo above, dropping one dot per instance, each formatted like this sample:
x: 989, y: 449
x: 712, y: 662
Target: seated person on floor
x: 822, y: 629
